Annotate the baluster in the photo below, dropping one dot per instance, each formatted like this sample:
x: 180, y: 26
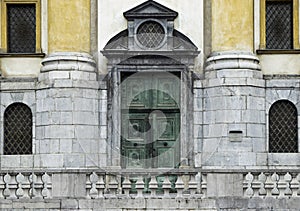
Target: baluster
x: 88, y: 185
x: 113, y: 186
x: 13, y: 186
x: 192, y: 186
x: 179, y: 185
x: 166, y: 187
x: 249, y: 191
x: 139, y: 185
x: 265, y: 184
x: 7, y: 180
x: 106, y: 182
x: 93, y: 191
x: 46, y: 181
x: 287, y: 178
x: 204, y: 185
x: 2, y: 186
x: 32, y: 190
x: 281, y: 185
x: 298, y: 179
x: 126, y: 186
x: 153, y: 186
x: 119, y: 180
x: 294, y: 185
x: 39, y: 185
x: 275, y: 179
x: 101, y: 186
x: 255, y: 185
x: 186, y: 179
x: 268, y: 185
x: 26, y: 186
x: 198, y: 180
x: 20, y: 179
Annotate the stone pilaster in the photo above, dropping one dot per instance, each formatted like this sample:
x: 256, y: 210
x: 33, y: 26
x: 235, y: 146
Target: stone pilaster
x: 233, y: 110
x: 67, y: 126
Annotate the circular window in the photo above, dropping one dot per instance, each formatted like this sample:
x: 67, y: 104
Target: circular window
x: 150, y: 34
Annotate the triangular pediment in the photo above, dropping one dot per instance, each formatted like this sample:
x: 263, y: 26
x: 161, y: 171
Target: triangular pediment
x: 151, y: 9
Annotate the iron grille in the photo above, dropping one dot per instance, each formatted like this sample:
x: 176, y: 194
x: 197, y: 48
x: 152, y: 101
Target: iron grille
x: 283, y: 128
x: 17, y: 130
x: 150, y: 34
x: 279, y: 24
x: 21, y: 28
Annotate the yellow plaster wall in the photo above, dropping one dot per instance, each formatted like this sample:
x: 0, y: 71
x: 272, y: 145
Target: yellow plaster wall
x: 69, y: 25
x: 232, y: 25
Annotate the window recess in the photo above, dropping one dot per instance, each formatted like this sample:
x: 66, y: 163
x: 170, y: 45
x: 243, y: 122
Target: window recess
x: 21, y: 27
x: 279, y: 25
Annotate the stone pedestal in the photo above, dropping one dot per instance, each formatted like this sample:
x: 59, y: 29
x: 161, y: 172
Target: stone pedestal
x: 233, y: 110
x: 67, y: 125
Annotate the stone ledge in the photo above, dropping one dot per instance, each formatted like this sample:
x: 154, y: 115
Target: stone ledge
x: 70, y: 61
x: 222, y: 203
x: 233, y: 64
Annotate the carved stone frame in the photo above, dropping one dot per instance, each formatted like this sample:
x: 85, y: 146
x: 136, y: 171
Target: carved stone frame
x: 175, y: 54
x: 114, y: 108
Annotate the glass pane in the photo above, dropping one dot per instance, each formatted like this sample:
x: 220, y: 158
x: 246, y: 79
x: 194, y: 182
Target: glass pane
x: 150, y: 34
x: 17, y: 130
x: 283, y: 124
x: 279, y: 24
x: 21, y: 28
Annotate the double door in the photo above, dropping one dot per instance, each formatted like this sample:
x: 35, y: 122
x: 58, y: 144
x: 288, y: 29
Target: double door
x: 150, y: 116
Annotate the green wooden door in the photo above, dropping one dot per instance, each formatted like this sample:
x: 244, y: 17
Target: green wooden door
x: 150, y: 121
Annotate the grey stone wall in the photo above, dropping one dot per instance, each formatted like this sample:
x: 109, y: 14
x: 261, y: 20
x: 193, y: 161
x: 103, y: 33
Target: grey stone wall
x: 220, y: 204
x: 233, y: 110
x: 13, y: 91
x: 68, y: 112
x: 230, y: 105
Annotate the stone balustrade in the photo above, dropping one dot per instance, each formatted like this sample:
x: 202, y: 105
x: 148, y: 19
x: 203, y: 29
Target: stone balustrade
x: 272, y: 184
x: 25, y: 185
x: 101, y: 185
x: 146, y: 185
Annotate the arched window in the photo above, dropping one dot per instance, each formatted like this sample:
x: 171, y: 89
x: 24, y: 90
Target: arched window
x: 283, y: 127
x: 17, y: 129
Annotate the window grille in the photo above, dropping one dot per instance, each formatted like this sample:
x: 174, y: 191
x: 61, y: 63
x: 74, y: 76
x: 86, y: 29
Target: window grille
x: 21, y: 28
x: 283, y: 127
x: 150, y: 34
x: 279, y: 24
x: 17, y: 129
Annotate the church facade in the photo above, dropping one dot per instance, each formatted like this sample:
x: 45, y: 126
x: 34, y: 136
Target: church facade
x: 149, y: 105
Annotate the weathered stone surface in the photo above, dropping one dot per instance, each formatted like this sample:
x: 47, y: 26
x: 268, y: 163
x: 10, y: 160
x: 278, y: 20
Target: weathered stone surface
x: 224, y: 185
x: 68, y: 185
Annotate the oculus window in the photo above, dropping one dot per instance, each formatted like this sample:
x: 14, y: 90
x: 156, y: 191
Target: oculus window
x: 150, y: 34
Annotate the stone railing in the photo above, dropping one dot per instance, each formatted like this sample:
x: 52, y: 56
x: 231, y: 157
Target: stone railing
x: 272, y: 184
x: 25, y: 185
x: 145, y: 185
x: 151, y: 184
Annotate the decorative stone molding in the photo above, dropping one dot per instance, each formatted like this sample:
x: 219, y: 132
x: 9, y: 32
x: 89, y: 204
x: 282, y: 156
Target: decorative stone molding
x: 139, y: 186
x: 177, y: 184
x: 272, y: 184
x: 68, y: 69
x: 231, y: 64
x: 25, y: 185
x: 69, y: 61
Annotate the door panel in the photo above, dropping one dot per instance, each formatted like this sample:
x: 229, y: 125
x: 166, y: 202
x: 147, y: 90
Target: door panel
x: 150, y: 122
x: 167, y: 94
